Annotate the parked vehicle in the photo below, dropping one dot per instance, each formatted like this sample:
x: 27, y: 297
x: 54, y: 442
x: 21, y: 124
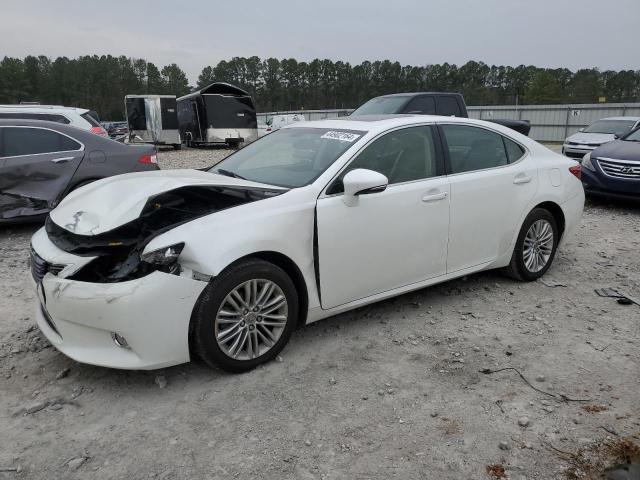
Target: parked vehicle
x: 40, y: 162
x: 429, y: 103
x: 117, y: 129
x: 76, y: 117
x: 307, y: 222
x: 613, y: 170
x: 598, y: 133
x: 218, y: 114
x: 153, y: 119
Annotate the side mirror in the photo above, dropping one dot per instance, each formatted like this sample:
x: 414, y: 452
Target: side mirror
x: 618, y: 135
x: 362, y: 182
x: 581, y: 129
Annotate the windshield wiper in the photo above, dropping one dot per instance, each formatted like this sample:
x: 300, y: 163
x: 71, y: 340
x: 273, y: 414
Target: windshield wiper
x: 229, y: 173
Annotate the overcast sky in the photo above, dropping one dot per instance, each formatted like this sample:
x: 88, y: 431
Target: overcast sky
x: 196, y: 33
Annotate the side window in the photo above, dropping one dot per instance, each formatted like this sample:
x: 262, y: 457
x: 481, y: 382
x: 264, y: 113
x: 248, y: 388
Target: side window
x: 473, y: 148
x: 30, y: 141
x: 448, y: 106
x: 422, y: 105
x: 402, y: 156
x: 514, y: 151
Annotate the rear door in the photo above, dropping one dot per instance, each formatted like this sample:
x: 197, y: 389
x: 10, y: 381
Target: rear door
x: 491, y: 186
x: 36, y: 165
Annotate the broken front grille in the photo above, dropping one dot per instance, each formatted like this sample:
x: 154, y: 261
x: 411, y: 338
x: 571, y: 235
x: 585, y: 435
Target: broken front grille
x: 40, y: 267
x: 620, y: 168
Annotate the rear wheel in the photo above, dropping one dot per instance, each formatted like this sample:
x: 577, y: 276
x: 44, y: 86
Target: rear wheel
x: 245, y: 316
x: 535, y: 247
x: 177, y: 146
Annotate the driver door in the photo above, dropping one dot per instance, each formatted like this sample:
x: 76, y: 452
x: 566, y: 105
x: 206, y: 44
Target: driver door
x: 392, y: 238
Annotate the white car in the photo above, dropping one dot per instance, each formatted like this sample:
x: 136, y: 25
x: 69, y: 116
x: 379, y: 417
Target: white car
x: 598, y: 133
x: 147, y: 270
x: 76, y: 117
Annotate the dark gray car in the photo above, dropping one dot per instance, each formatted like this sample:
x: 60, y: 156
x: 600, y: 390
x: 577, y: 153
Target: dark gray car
x: 40, y: 162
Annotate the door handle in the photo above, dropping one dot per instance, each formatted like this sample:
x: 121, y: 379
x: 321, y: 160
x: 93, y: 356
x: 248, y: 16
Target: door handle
x: 435, y: 197
x: 61, y: 159
x: 521, y: 180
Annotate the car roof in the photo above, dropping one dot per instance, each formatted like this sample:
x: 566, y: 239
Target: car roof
x: 620, y: 118
x: 413, y: 94
x: 47, y: 108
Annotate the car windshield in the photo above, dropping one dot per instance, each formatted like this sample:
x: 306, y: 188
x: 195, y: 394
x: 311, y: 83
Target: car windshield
x: 382, y: 106
x: 610, y: 126
x: 291, y: 157
x: 634, y: 136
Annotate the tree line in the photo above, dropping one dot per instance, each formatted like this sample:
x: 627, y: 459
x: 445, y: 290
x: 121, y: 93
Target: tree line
x: 101, y: 82
x: 95, y: 82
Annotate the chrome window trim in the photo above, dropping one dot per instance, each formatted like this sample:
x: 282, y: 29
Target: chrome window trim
x: 81, y: 149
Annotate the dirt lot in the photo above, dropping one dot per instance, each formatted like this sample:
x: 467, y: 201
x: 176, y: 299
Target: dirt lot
x: 393, y: 390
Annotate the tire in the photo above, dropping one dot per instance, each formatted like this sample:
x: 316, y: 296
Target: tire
x: 528, y: 268
x: 177, y: 146
x: 211, y: 321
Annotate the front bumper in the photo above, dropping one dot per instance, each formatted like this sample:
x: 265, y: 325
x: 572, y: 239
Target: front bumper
x: 577, y: 151
x: 598, y: 183
x: 152, y: 313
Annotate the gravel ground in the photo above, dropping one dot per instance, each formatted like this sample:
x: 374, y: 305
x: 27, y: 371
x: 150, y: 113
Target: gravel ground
x: 393, y: 390
x: 191, y: 157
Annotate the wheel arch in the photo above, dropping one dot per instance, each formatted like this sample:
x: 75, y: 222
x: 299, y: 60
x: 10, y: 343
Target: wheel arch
x: 291, y: 268
x: 556, y: 210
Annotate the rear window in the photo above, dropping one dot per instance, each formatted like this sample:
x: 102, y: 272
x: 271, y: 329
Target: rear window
x: 89, y: 118
x: 49, y: 117
x: 32, y: 141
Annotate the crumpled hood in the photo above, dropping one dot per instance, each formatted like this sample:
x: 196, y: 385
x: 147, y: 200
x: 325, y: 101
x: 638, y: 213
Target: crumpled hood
x: 590, y: 138
x: 109, y: 203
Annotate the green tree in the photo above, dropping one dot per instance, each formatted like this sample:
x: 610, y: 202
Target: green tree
x: 544, y: 89
x: 175, y: 80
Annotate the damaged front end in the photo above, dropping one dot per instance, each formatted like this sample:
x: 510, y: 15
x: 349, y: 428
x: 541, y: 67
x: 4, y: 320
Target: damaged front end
x: 118, y: 251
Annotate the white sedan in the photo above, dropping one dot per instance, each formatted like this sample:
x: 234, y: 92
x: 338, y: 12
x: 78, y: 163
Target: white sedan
x: 147, y: 270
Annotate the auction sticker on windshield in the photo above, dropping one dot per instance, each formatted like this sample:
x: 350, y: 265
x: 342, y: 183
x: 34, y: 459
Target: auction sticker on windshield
x: 342, y: 136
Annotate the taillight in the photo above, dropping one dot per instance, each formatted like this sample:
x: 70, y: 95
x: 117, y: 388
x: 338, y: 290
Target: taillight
x: 149, y: 159
x: 98, y: 131
x: 577, y: 171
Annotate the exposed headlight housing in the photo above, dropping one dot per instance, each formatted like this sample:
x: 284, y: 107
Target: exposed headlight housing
x: 165, y: 258
x: 586, y: 162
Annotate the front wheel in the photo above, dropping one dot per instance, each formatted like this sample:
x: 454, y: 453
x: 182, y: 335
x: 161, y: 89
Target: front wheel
x: 535, y: 247
x: 245, y: 316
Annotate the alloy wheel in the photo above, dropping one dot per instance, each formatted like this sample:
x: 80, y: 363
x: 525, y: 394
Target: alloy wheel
x: 251, y: 319
x: 538, y: 245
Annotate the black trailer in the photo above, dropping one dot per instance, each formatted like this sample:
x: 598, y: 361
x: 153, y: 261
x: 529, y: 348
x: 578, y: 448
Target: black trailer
x: 217, y: 114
